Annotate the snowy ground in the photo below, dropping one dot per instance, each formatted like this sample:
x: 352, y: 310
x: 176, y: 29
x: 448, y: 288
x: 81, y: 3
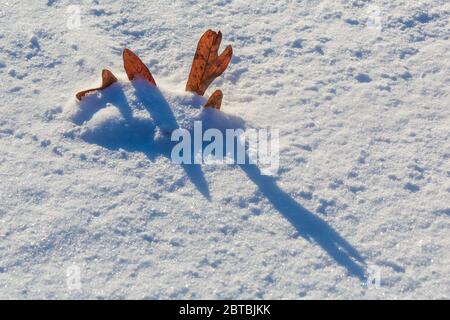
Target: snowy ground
x: 358, y: 89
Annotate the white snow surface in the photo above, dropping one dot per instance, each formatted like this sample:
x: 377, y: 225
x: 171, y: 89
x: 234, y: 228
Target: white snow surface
x: 362, y: 104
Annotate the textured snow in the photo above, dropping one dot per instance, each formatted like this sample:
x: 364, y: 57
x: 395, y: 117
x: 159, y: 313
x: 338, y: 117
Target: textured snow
x: 362, y: 104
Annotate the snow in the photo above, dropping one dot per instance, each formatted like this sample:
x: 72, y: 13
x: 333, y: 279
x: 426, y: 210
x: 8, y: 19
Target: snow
x: 358, y: 89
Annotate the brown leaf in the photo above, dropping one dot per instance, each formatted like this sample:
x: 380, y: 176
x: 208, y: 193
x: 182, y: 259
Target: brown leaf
x: 215, y: 100
x: 135, y: 67
x: 107, y: 79
x: 207, y: 64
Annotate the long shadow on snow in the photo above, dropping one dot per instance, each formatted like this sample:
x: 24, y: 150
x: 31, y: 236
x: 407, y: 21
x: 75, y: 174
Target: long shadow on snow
x: 308, y: 225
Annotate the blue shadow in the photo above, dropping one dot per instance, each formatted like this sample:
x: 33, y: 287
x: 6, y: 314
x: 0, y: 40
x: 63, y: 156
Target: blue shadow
x: 308, y: 225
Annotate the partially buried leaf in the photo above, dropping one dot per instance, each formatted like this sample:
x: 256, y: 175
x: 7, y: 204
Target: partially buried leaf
x: 107, y: 79
x: 215, y: 100
x: 207, y: 64
x: 135, y: 67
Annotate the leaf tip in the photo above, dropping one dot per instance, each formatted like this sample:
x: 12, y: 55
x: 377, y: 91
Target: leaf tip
x: 215, y: 100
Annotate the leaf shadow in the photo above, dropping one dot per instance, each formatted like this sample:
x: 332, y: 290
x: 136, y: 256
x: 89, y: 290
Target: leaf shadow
x: 308, y: 225
x: 135, y: 135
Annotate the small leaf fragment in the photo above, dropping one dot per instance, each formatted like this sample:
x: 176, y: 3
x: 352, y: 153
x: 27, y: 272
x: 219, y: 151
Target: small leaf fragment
x: 215, y: 100
x: 108, y: 79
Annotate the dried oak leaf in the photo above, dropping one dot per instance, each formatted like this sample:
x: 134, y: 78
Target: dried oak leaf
x: 107, y: 79
x: 215, y: 100
x: 207, y: 64
x: 135, y: 67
